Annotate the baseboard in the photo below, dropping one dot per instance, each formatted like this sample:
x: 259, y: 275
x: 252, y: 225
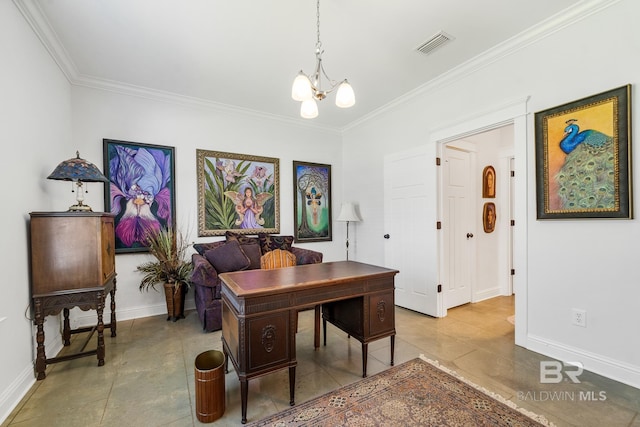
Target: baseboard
x: 11, y: 397
x: 486, y: 294
x: 610, y: 368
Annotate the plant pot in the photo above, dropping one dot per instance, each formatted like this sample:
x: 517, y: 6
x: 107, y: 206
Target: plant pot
x: 174, y: 295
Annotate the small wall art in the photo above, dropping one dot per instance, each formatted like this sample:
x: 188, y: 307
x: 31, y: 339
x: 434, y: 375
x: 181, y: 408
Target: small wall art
x: 141, y: 190
x: 583, y: 157
x: 489, y: 182
x: 489, y: 217
x: 311, y: 202
x: 237, y: 192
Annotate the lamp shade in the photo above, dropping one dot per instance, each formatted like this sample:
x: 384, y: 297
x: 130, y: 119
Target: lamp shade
x: 345, y: 97
x: 348, y: 213
x: 301, y: 89
x: 77, y: 169
x: 309, y: 109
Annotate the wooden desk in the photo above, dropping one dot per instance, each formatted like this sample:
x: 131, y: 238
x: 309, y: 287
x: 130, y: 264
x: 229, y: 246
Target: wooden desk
x: 259, y: 313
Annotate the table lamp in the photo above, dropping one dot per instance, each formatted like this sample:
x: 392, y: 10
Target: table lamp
x: 78, y: 171
x: 348, y: 213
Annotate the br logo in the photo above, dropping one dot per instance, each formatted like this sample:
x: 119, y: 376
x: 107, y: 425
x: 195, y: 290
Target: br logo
x: 553, y: 372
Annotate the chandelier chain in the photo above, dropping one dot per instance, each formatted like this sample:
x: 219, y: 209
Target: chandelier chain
x: 308, y: 88
x: 318, y: 42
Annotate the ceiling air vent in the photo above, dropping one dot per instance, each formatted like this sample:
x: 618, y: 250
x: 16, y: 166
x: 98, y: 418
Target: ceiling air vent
x: 434, y: 42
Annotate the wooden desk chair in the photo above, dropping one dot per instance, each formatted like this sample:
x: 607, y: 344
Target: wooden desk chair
x: 279, y: 258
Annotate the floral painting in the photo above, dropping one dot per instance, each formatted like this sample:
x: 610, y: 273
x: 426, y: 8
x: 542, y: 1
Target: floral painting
x: 583, y: 162
x: 312, y: 202
x: 141, y: 191
x: 237, y: 192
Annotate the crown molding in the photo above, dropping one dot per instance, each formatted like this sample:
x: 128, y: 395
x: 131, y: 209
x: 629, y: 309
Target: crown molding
x: 34, y: 16
x: 557, y: 22
x: 189, y: 101
x: 40, y: 25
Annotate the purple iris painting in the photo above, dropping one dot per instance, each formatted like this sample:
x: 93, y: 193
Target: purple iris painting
x: 141, y: 193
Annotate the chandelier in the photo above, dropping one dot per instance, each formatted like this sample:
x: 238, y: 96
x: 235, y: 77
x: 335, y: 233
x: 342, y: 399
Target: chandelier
x: 308, y: 88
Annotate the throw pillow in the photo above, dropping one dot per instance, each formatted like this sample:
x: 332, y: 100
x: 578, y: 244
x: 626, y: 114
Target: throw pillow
x: 277, y: 258
x: 201, y: 248
x: 269, y: 242
x: 250, y: 246
x: 228, y: 257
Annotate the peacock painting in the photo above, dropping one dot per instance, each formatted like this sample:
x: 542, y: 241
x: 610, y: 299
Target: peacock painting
x: 587, y: 178
x: 583, y: 167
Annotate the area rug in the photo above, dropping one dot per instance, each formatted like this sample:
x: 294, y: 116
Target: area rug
x: 416, y: 393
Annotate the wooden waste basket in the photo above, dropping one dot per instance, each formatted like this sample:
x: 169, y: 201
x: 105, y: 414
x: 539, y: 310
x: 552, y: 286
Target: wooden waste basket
x: 210, y: 399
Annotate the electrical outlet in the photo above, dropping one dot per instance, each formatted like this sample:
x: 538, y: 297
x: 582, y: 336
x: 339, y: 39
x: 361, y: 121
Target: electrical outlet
x: 579, y: 317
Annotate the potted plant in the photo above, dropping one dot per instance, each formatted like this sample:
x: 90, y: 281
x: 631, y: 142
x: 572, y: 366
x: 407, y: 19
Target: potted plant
x: 171, y: 268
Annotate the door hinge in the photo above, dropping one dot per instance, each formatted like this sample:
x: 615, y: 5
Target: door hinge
x: 438, y: 225
x: 513, y: 271
x: 513, y: 173
x: 439, y: 288
x: 513, y: 222
x: 437, y: 161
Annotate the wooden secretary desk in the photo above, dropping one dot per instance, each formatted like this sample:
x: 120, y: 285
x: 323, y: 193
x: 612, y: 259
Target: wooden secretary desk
x: 72, y: 265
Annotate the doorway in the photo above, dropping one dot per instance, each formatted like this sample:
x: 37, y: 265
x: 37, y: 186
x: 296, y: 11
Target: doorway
x: 476, y: 251
x: 512, y: 113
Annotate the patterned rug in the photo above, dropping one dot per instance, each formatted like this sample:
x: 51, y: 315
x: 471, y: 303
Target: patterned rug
x: 415, y: 393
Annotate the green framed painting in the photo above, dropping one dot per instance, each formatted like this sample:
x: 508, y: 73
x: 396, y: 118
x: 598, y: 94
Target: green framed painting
x: 237, y: 192
x: 311, y: 202
x: 583, y: 157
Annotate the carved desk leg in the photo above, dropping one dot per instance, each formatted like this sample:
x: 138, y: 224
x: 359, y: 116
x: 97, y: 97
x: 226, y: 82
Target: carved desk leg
x: 292, y: 385
x: 41, y: 358
x: 244, y: 392
x: 113, y: 309
x: 100, y: 308
x: 316, y: 328
x: 66, y: 329
x: 365, y: 349
x: 393, y: 343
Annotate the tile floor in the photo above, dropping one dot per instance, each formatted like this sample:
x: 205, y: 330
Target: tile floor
x: 148, y: 377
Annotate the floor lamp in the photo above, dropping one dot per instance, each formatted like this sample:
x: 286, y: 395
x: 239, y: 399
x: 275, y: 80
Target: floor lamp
x: 348, y: 213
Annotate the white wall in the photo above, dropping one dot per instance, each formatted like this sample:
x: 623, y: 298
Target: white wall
x: 99, y: 114
x: 35, y: 118
x: 587, y: 264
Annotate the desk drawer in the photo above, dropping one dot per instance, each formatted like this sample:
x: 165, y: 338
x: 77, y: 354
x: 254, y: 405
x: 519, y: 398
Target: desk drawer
x: 268, y: 338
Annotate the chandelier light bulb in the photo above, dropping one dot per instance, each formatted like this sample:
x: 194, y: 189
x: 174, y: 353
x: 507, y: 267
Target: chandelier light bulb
x: 309, y: 109
x: 301, y: 89
x: 345, y: 97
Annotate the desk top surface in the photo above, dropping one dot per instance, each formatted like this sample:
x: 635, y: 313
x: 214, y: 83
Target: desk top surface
x: 257, y: 282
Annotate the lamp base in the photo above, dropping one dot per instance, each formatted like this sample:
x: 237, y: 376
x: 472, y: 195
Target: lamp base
x: 80, y: 208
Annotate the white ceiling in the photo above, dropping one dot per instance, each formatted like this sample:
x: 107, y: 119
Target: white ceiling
x: 245, y: 53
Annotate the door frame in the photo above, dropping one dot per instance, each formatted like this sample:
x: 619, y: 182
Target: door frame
x: 515, y: 113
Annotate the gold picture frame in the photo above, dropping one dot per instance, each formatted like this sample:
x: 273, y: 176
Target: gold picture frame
x: 583, y: 157
x: 237, y: 192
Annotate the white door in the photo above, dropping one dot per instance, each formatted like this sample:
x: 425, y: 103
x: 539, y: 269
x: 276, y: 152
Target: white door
x: 410, y: 241
x: 458, y: 227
